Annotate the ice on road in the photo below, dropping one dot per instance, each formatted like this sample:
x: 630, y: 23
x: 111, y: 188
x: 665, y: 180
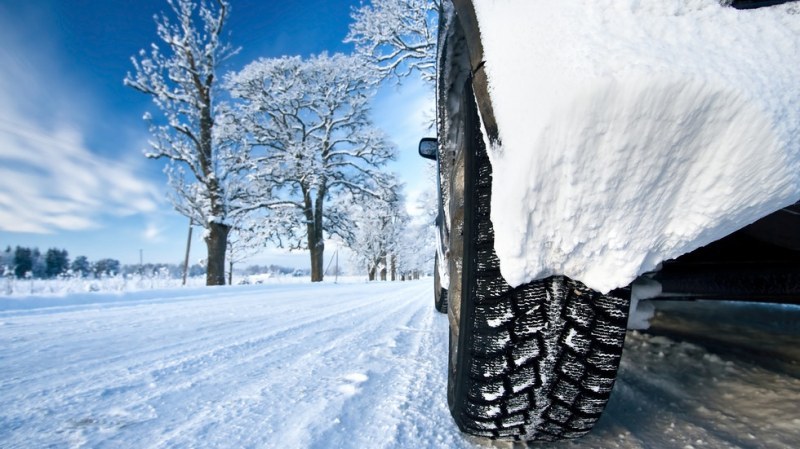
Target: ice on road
x: 335, y: 366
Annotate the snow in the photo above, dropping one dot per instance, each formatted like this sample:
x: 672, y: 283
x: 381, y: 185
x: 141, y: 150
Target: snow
x: 501, y: 319
x: 272, y: 366
x: 569, y: 341
x: 633, y: 132
x: 354, y: 366
x: 642, y: 311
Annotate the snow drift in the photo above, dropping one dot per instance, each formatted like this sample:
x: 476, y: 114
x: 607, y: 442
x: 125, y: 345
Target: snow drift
x: 633, y: 132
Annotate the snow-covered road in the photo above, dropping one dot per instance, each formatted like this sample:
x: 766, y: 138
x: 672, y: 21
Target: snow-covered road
x: 341, y: 366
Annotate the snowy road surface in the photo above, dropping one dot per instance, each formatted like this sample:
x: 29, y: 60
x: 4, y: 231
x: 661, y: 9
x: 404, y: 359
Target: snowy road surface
x: 356, y: 366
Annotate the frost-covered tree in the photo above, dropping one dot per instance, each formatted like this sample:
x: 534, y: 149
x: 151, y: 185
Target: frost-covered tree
x: 244, y: 241
x: 416, y: 248
x: 81, y: 266
x: 56, y: 262
x: 387, y: 241
x: 375, y: 241
x: 181, y: 79
x: 106, y: 267
x: 39, y: 267
x: 23, y: 261
x: 312, y: 142
x: 398, y: 36
x: 7, y: 260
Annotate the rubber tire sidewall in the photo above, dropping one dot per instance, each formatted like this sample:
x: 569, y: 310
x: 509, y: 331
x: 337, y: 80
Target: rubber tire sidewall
x: 459, y: 306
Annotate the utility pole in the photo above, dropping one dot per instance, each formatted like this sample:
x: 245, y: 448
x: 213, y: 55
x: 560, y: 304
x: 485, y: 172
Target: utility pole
x: 336, y: 274
x: 186, y: 258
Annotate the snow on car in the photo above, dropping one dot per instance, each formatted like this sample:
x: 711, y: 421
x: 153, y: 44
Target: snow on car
x: 630, y: 133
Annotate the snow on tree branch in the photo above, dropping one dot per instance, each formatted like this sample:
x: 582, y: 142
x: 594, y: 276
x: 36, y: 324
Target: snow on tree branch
x: 397, y: 36
x: 387, y: 240
x: 312, y: 141
x: 181, y: 80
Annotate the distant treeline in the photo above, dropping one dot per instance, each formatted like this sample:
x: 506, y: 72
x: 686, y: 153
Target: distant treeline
x: 22, y: 262
x: 274, y: 269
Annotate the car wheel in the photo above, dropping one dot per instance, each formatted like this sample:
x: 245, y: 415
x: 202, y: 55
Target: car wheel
x: 439, y: 293
x: 534, y: 362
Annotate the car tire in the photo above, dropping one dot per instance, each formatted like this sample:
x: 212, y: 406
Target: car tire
x: 533, y: 362
x: 439, y: 293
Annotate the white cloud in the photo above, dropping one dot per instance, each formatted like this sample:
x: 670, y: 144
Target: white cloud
x: 49, y: 179
x: 153, y: 233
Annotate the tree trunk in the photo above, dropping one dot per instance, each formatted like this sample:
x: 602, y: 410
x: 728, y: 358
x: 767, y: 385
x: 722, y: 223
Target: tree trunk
x: 217, y: 242
x: 393, y: 264
x: 316, y: 250
x: 317, y: 254
x: 313, y: 211
x: 371, y: 273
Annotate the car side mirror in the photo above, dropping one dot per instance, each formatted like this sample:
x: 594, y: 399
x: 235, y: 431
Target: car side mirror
x: 429, y: 148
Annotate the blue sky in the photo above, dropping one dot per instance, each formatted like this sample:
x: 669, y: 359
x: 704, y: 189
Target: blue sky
x: 72, y: 173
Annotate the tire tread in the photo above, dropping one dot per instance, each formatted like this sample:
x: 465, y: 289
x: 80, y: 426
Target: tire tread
x: 542, y: 357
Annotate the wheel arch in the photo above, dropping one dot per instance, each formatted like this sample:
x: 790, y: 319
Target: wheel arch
x: 464, y: 31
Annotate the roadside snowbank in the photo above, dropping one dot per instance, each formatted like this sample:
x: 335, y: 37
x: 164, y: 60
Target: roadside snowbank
x: 634, y: 132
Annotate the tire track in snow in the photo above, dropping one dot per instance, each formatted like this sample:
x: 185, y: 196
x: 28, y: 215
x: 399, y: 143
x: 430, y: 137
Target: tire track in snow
x: 298, y: 399
x: 371, y: 414
x: 315, y: 312
x: 138, y: 365
x: 76, y: 336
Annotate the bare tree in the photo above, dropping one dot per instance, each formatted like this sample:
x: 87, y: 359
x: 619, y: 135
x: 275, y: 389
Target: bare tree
x: 182, y: 83
x: 313, y: 145
x: 398, y: 36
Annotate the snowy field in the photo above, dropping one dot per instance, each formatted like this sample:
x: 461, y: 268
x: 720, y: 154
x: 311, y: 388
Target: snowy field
x: 132, y: 283
x: 356, y: 366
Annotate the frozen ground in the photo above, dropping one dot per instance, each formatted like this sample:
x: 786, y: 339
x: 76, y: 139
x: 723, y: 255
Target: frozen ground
x: 358, y: 365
